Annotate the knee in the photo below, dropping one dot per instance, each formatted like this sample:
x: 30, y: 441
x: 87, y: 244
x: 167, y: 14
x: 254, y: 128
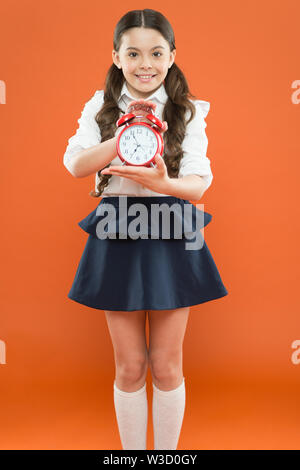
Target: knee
x: 166, y: 368
x: 132, y: 370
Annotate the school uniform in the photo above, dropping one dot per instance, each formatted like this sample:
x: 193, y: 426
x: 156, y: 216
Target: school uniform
x: 164, y: 266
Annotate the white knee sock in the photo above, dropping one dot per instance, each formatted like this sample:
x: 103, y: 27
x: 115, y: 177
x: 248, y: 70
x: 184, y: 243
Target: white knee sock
x: 132, y: 417
x: 167, y: 414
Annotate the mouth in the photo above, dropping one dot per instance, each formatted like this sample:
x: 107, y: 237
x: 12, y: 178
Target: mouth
x: 145, y: 78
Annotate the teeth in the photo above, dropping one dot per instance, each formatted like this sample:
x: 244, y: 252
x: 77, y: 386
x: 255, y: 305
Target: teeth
x: 145, y: 76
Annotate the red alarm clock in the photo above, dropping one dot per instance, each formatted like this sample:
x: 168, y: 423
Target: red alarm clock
x: 139, y: 142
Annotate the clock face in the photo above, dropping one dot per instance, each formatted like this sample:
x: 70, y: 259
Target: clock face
x: 138, y: 144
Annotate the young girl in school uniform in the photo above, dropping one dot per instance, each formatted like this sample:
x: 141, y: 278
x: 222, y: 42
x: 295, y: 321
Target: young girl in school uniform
x: 132, y: 278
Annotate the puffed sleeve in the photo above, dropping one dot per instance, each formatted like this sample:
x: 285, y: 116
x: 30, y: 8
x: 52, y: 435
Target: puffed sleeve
x: 194, y: 146
x: 88, y: 132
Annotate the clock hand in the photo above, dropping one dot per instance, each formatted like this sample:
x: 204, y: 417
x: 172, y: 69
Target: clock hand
x: 134, y: 151
x: 136, y: 140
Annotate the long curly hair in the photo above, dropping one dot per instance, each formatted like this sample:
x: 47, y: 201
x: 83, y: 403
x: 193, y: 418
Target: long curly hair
x: 178, y: 102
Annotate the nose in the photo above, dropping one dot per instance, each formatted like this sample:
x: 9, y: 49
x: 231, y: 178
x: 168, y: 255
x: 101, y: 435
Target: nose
x: 146, y: 69
x: 146, y: 64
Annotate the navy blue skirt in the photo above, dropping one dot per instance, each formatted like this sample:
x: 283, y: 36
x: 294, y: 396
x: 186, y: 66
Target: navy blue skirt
x: 133, y: 260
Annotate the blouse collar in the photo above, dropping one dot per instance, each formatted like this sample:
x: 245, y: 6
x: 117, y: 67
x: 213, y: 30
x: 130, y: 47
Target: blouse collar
x: 160, y: 94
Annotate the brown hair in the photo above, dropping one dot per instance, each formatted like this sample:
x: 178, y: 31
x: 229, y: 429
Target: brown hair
x: 176, y: 86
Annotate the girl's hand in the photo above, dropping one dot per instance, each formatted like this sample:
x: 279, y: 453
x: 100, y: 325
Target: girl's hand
x: 143, y: 107
x: 156, y: 179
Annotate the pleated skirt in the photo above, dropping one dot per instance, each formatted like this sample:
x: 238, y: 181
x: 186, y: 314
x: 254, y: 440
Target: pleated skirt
x: 133, y: 260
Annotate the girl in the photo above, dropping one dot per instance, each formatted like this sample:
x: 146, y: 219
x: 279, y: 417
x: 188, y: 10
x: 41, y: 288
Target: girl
x: 130, y: 278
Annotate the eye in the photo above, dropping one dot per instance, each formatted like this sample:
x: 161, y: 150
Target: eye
x: 153, y: 53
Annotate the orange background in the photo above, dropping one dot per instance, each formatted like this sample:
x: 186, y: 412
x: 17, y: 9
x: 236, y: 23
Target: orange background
x: 242, y: 387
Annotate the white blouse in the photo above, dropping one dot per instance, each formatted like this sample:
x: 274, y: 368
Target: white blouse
x: 194, y: 145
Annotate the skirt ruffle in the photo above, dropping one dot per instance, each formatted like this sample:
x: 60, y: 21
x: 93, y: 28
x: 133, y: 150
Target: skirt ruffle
x: 185, y: 218
x: 119, y: 272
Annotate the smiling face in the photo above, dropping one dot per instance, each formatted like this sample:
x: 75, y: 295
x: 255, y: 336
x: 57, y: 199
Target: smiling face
x: 139, y: 56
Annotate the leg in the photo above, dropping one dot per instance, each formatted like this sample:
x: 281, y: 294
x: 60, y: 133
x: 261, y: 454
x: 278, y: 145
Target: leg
x: 167, y: 329
x: 166, y: 334
x: 127, y: 330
